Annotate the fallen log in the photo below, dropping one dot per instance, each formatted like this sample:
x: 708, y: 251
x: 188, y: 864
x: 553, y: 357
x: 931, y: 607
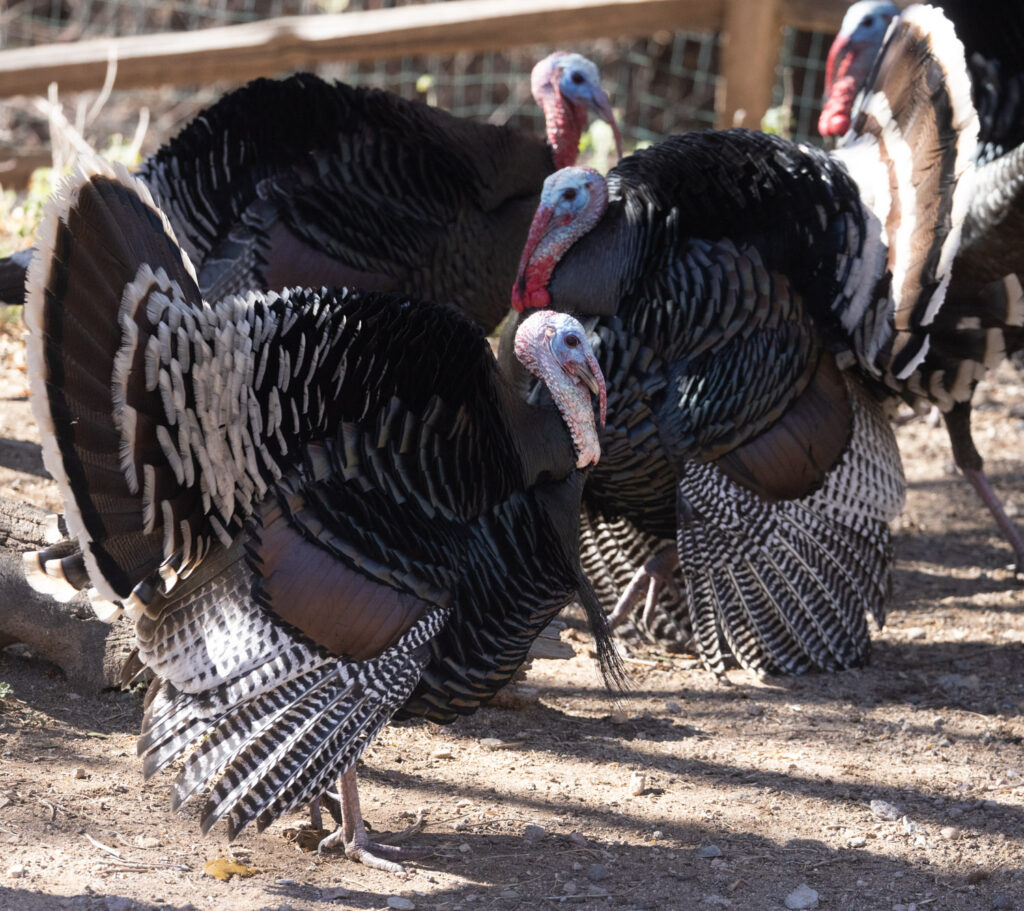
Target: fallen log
x: 88, y: 651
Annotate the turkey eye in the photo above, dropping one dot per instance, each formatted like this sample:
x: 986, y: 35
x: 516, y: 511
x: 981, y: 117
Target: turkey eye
x: 870, y: 21
x: 572, y: 341
x: 578, y: 78
x: 569, y: 195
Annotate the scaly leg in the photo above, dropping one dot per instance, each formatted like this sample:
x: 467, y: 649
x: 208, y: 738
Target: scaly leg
x: 352, y: 834
x: 968, y: 460
x: 654, y: 575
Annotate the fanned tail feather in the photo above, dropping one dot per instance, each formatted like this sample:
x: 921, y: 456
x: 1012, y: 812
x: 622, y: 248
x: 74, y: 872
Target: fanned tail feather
x: 912, y: 141
x: 785, y: 587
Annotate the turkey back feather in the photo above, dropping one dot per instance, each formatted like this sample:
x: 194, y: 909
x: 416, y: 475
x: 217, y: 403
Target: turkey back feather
x: 330, y: 184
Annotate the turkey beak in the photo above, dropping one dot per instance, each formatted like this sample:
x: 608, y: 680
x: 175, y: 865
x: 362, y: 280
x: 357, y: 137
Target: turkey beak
x: 589, y: 373
x: 521, y: 297
x: 601, y: 107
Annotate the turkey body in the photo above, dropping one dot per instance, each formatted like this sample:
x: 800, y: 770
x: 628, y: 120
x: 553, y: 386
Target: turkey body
x: 300, y: 182
x: 730, y: 263
x: 319, y: 507
x: 756, y: 312
x: 981, y: 319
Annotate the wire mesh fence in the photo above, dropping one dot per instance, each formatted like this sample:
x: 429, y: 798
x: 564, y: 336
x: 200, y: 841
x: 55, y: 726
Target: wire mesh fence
x: 662, y: 84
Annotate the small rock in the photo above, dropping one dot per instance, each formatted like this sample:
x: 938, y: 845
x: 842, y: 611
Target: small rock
x: 752, y: 708
x: 858, y: 841
x: 510, y: 895
x: 717, y: 901
x: 118, y: 903
x: 401, y: 904
x: 709, y: 851
x: 16, y: 871
x: 492, y: 743
x: 464, y: 848
x: 334, y: 893
x: 950, y: 833
x: 147, y: 841
x: 569, y: 888
x: 597, y: 873
x: 674, y: 707
x: 657, y: 834
x: 802, y: 898
x: 461, y: 825
x: 885, y: 810
x: 1002, y: 903
x: 637, y: 784
x: 577, y: 839
x: 464, y: 803
x: 442, y: 753
x: 915, y: 632
x: 532, y: 834
x: 79, y: 772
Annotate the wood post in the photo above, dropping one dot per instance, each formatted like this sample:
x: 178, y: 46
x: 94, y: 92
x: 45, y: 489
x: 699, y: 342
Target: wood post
x: 751, y: 39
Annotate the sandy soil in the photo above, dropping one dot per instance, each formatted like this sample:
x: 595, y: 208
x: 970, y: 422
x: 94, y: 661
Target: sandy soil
x: 688, y: 794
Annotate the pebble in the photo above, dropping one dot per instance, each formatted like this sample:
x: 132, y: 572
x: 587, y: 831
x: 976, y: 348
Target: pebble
x: 464, y: 848
x: 79, y: 772
x: 1002, y: 903
x: 858, y: 841
x: 398, y: 903
x: 577, y: 839
x: 147, y: 841
x: 674, y: 707
x: 915, y: 632
x: 752, y: 708
x: 637, y: 784
x: 510, y: 895
x: 492, y: 743
x: 442, y: 753
x: 569, y: 888
x: 802, y: 898
x: 119, y: 903
x: 885, y: 810
x: 709, y: 851
x: 597, y: 873
x: 333, y: 893
x: 950, y: 833
x: 532, y: 834
x: 16, y: 871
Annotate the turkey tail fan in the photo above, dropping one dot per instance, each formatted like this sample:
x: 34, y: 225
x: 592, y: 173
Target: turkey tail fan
x: 785, y: 586
x: 912, y: 139
x: 103, y: 250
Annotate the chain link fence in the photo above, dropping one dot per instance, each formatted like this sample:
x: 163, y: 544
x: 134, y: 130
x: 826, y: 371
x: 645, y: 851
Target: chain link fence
x: 661, y: 84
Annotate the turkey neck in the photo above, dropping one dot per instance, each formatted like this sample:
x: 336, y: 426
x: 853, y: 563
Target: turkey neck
x: 540, y: 432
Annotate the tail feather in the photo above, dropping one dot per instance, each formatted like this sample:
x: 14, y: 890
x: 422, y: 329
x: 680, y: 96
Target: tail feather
x: 96, y: 236
x: 785, y: 587
x: 913, y: 139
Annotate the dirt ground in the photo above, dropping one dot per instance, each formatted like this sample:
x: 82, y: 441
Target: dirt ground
x: 688, y: 794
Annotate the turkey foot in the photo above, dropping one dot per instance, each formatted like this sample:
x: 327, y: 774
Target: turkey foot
x: 655, y: 574
x: 988, y: 496
x: 352, y: 834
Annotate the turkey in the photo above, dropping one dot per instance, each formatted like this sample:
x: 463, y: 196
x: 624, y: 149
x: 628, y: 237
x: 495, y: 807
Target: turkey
x: 741, y: 298
x: 993, y: 37
x: 320, y: 507
x: 303, y: 182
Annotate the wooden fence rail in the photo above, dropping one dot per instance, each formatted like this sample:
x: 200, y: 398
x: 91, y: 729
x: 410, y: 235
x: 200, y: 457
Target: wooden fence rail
x: 240, y: 52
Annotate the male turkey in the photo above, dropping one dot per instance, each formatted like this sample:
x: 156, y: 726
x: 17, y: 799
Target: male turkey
x: 744, y: 312
x: 972, y: 331
x: 320, y: 508
x: 309, y: 183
